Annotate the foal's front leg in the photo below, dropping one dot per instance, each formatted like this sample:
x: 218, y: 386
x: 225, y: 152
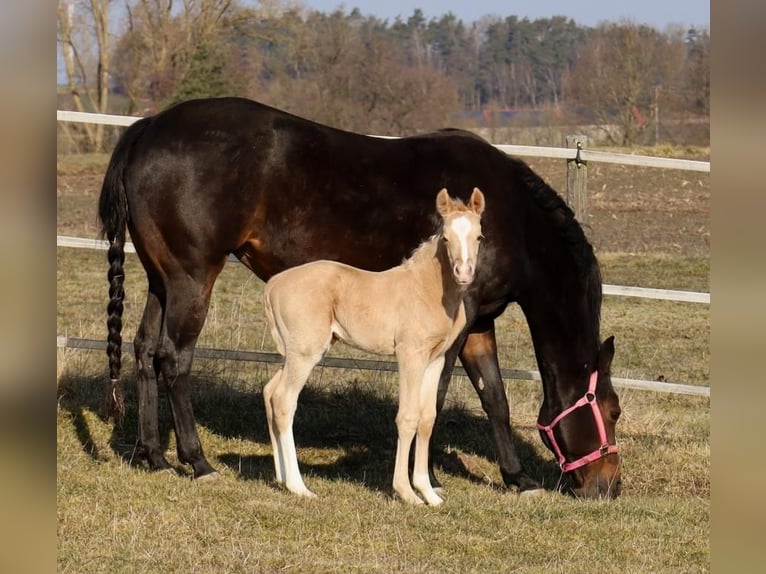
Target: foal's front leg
x: 411, y: 369
x: 428, y: 388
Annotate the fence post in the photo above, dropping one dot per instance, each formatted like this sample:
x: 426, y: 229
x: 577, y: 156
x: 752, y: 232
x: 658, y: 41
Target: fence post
x: 577, y: 179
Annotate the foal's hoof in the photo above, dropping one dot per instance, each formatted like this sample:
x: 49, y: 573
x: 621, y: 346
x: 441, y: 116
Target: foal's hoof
x: 210, y: 476
x: 302, y: 492
x: 409, y: 498
x: 532, y: 493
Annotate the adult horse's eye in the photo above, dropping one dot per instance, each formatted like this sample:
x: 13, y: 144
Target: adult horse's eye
x: 615, y: 414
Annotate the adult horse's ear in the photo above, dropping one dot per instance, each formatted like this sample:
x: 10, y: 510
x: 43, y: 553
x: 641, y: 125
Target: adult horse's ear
x: 605, y: 355
x: 476, y: 203
x: 443, y: 202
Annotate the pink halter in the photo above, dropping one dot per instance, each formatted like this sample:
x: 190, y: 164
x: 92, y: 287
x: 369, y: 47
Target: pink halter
x: 588, y: 399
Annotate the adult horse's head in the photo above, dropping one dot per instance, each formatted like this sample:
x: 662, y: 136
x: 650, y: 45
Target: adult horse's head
x: 582, y: 435
x: 461, y: 232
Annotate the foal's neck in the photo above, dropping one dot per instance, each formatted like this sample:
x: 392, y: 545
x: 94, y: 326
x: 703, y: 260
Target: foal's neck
x: 431, y: 263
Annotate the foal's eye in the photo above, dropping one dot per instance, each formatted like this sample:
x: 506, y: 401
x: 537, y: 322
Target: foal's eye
x: 615, y: 414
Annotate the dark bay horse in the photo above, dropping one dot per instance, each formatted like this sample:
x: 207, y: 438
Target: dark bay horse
x: 211, y: 177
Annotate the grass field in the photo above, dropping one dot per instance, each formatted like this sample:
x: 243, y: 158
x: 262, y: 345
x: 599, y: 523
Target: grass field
x: 113, y: 516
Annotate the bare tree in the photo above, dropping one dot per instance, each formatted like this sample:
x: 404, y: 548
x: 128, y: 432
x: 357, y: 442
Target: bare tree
x: 617, y: 73
x: 75, y: 21
x: 160, y: 42
x: 343, y: 71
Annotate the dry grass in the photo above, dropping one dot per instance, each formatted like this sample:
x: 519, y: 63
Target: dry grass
x: 115, y: 516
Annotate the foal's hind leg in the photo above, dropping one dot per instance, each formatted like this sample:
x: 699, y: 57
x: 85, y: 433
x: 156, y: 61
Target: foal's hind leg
x: 145, y: 345
x: 268, y: 392
x: 420, y: 476
x: 185, y: 311
x: 283, y: 397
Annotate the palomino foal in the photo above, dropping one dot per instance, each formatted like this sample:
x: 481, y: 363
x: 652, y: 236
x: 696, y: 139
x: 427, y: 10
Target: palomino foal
x: 413, y: 311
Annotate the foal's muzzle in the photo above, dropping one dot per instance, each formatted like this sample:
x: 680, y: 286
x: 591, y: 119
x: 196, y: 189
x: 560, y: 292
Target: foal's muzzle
x: 464, y: 272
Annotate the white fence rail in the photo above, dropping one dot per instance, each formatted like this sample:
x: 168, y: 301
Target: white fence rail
x: 387, y: 366
x: 618, y: 290
x: 520, y: 150
x: 529, y: 151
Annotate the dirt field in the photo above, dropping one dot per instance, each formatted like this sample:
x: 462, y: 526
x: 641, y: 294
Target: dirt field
x: 642, y: 210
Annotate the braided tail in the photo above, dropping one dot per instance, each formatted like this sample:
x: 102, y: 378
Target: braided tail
x: 113, y: 212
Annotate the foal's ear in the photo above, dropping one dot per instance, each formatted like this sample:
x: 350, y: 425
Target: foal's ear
x: 443, y: 202
x: 605, y: 355
x: 476, y: 203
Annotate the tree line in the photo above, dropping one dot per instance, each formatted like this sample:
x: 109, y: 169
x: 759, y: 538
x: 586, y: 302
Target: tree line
x: 398, y: 77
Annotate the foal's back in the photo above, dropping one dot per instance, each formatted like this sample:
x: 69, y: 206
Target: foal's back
x: 312, y: 305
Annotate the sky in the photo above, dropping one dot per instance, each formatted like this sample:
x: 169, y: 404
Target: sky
x: 656, y: 13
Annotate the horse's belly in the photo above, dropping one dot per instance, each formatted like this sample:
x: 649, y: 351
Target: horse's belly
x: 364, y: 337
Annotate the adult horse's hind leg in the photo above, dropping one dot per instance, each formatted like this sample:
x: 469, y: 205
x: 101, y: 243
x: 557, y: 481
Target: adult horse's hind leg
x: 186, y: 307
x: 145, y: 345
x: 428, y: 388
x: 479, y: 357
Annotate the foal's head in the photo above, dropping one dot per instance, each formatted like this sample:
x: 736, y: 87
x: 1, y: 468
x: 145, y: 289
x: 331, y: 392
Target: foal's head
x: 461, y: 233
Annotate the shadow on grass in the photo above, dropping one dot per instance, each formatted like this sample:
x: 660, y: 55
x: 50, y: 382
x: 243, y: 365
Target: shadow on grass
x: 357, y: 419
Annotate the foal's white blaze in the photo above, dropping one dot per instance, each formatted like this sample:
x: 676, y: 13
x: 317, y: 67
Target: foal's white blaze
x: 461, y: 226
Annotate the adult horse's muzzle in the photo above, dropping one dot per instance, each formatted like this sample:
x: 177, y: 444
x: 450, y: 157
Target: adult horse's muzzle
x: 598, y: 479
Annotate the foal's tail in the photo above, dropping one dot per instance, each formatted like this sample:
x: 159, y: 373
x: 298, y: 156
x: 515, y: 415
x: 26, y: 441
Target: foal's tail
x: 113, y: 212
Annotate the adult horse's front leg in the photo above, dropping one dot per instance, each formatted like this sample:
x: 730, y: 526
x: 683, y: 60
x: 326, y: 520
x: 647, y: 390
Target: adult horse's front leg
x: 479, y: 358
